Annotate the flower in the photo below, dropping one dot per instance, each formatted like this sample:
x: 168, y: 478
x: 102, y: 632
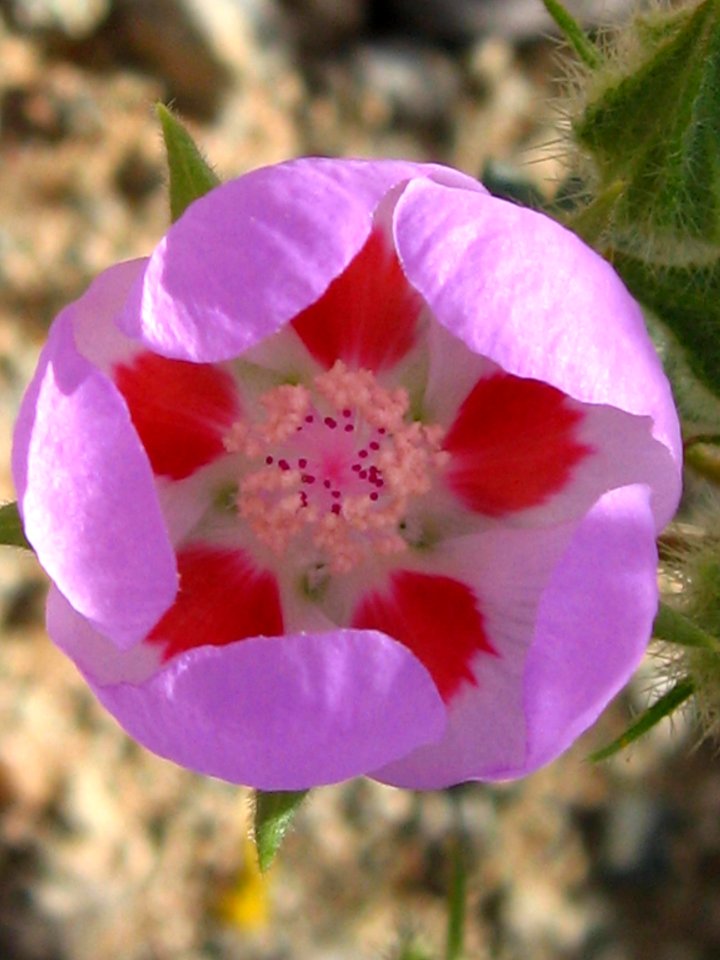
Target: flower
x: 359, y: 473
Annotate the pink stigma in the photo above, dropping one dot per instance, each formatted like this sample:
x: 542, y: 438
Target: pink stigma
x: 331, y: 470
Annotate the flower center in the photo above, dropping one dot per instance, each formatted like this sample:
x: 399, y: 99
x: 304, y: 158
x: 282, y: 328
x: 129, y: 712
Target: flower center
x: 337, y: 467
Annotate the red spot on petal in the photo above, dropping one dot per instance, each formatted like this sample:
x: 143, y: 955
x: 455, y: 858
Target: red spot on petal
x: 435, y: 617
x: 222, y: 598
x: 180, y: 410
x: 367, y: 316
x: 512, y: 445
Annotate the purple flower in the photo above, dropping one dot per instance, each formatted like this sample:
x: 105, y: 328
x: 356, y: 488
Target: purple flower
x: 359, y: 473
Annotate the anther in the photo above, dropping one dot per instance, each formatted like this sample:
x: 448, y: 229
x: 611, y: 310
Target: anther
x: 341, y: 504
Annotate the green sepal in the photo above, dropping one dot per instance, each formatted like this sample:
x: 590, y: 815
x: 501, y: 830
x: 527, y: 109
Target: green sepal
x: 11, y: 528
x: 574, y: 34
x: 191, y: 177
x: 674, y: 627
x: 703, y: 439
x: 413, y: 950
x: 687, y: 300
x: 704, y: 458
x: 653, y: 125
x: 664, y: 706
x: 273, y: 813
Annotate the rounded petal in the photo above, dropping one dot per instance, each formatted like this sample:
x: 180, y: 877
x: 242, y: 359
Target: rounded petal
x: 275, y: 238
x: 593, y: 625
x: 507, y: 571
x: 437, y: 617
x: 85, y: 486
x: 368, y: 316
x: 565, y: 648
x: 223, y: 597
x: 518, y: 288
x: 93, y: 653
x: 513, y: 445
x: 95, y: 314
x: 522, y: 450
x: 278, y: 713
x: 180, y: 410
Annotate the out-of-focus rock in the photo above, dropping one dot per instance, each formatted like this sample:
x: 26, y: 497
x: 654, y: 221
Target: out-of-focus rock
x: 48, y: 111
x: 637, y: 839
x: 321, y: 26
x: 455, y: 21
x: 417, y: 84
x: 512, y: 107
x: 72, y: 19
x: 200, y: 48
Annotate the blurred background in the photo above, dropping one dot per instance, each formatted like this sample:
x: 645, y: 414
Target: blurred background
x: 109, y: 852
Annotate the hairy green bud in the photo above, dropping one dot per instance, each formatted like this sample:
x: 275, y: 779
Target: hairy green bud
x: 651, y: 125
x: 648, y: 130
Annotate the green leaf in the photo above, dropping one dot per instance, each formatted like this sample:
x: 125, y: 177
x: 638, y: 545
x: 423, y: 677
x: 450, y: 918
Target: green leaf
x: 191, y: 177
x: 664, y: 706
x: 274, y: 812
x: 574, y: 34
x: 674, y: 627
x: 11, y: 528
x: 687, y: 300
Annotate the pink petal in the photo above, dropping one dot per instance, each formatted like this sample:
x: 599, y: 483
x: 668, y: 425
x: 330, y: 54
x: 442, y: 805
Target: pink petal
x: 435, y: 617
x: 94, y: 319
x: 222, y: 598
x: 568, y: 637
x: 507, y: 570
x: 278, y: 713
x: 513, y: 445
x: 93, y: 653
x: 516, y: 287
x: 276, y: 238
x: 84, y: 483
x: 524, y: 451
x: 180, y: 410
x: 367, y: 316
x: 594, y: 623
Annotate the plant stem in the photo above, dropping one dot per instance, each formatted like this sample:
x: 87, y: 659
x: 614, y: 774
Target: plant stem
x: 574, y: 34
